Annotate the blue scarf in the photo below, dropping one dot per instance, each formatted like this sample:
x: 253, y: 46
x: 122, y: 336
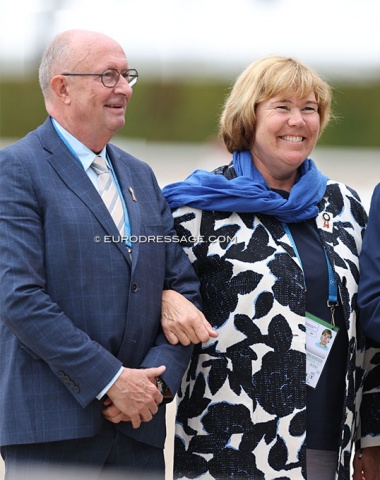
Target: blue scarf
x: 249, y: 192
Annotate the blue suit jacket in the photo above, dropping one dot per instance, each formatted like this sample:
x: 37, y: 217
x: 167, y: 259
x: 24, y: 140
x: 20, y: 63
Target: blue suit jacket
x: 73, y: 308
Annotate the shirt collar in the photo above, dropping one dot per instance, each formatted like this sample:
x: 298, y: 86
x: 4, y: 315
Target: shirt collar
x: 84, y: 154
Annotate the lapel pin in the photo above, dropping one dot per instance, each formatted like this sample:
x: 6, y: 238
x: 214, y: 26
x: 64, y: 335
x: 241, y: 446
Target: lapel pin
x: 326, y: 220
x: 130, y: 189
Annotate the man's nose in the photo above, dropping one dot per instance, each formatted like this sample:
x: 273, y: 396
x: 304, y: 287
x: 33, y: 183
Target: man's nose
x: 122, y: 84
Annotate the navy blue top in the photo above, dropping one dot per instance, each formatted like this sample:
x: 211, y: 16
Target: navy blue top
x: 324, y: 405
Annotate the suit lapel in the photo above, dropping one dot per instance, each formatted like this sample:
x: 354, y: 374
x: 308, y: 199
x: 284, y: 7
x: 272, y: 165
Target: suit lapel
x: 75, y: 178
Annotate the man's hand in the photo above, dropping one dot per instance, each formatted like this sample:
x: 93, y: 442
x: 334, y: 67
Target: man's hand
x: 367, y: 464
x: 134, y: 396
x: 182, y: 321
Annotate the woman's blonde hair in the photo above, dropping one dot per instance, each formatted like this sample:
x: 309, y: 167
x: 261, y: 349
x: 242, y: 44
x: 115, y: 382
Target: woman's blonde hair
x: 260, y: 81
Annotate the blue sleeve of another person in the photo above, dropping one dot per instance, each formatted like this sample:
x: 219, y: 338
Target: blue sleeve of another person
x: 369, y: 285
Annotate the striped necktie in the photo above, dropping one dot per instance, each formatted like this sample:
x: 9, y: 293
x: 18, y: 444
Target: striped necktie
x: 108, y: 192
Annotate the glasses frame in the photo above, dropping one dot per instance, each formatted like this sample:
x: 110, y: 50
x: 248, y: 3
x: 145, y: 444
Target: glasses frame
x: 126, y: 74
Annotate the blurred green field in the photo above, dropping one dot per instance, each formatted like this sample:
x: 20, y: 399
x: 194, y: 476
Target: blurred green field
x: 178, y: 111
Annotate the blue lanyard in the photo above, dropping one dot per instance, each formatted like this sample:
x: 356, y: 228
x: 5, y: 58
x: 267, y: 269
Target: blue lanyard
x: 332, y: 301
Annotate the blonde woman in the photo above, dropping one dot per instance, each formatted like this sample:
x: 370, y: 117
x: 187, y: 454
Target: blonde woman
x: 271, y: 239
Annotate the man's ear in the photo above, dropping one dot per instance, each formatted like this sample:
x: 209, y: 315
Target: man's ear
x: 60, y: 88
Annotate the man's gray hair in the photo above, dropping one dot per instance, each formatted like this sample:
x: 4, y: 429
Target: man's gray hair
x: 56, y: 56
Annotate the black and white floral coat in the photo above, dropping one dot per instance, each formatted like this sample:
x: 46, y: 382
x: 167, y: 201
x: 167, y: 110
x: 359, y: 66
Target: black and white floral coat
x: 241, y: 406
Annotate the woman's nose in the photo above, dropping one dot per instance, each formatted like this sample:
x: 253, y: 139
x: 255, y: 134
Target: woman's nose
x: 296, y: 117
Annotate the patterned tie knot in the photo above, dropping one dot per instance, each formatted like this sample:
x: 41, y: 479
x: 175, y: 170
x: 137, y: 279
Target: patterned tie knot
x: 99, y: 165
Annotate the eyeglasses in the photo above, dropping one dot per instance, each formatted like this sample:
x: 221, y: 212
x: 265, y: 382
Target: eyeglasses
x: 111, y: 76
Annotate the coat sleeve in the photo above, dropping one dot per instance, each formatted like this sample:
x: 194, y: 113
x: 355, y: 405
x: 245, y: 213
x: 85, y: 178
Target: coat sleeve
x: 369, y: 321
x: 369, y: 284
x: 179, y: 276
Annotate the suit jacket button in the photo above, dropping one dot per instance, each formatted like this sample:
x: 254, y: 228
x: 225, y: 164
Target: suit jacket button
x: 134, y: 287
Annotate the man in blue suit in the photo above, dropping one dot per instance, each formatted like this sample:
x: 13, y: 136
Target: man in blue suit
x: 84, y: 363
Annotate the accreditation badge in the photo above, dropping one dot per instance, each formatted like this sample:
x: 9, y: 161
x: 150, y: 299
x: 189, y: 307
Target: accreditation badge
x: 320, y: 337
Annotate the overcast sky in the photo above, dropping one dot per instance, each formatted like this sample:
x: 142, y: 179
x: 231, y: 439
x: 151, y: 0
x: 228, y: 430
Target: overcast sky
x: 338, y: 37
